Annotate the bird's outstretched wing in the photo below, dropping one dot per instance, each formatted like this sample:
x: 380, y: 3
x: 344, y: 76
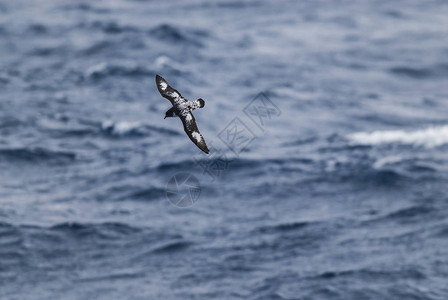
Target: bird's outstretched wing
x: 166, y: 91
x: 191, y: 129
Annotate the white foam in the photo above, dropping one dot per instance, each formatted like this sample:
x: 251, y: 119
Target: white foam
x: 96, y: 69
x: 164, y: 61
x: 428, y: 137
x: 388, y: 160
x: 120, y: 128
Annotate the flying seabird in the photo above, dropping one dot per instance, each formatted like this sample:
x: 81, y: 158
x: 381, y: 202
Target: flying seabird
x: 183, y: 108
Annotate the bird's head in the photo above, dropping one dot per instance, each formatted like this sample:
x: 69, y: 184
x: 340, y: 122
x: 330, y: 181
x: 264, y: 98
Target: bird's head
x: 169, y: 114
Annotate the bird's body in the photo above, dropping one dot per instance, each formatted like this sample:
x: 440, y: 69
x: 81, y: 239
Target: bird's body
x: 183, y: 109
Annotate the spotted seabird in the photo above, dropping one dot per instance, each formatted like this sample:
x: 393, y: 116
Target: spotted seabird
x: 183, y: 108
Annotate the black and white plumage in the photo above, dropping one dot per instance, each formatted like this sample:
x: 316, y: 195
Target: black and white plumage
x: 183, y: 108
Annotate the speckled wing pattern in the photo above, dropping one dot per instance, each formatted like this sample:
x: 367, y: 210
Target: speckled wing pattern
x: 191, y: 129
x: 167, y: 91
x: 183, y: 109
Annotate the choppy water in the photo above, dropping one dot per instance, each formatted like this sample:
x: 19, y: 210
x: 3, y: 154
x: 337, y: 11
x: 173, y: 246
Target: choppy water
x: 341, y: 195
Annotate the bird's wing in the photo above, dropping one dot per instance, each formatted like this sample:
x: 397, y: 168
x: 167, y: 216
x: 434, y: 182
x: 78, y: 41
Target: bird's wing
x: 166, y: 91
x: 191, y: 129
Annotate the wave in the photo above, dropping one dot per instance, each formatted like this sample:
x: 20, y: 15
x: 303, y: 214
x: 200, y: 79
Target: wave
x: 37, y: 28
x: 122, y: 128
x: 370, y: 273
x: 172, y: 246
x: 48, y: 51
x: 429, y: 137
x: 412, y: 164
x: 132, y: 128
x: 232, y: 162
x: 440, y: 70
x: 188, y: 164
x: 409, y: 214
x: 9, y: 122
x: 85, y: 7
x: 173, y: 34
x: 109, y: 27
x: 441, y: 231
x: 126, y: 193
x: 104, y: 70
x: 3, y: 78
x: 237, y: 4
x: 284, y: 227
x: 106, y: 230
x: 121, y: 275
x: 147, y: 194
x: 170, y: 66
x: 9, y: 236
x: 36, y: 155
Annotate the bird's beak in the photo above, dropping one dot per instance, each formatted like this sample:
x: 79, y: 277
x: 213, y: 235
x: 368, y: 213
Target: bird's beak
x: 164, y: 118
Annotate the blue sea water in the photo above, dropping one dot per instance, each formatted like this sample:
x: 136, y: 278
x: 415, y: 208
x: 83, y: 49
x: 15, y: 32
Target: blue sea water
x: 341, y: 193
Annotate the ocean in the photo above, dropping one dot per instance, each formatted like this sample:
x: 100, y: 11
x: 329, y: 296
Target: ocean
x: 327, y: 124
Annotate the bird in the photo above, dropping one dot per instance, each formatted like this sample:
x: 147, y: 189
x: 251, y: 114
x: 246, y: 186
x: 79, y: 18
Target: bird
x: 183, y: 109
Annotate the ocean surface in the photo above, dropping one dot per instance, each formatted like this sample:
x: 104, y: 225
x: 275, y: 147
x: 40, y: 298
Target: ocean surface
x: 328, y: 128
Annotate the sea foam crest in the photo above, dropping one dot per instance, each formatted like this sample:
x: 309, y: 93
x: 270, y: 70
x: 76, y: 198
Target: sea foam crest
x: 428, y: 137
x: 120, y: 128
